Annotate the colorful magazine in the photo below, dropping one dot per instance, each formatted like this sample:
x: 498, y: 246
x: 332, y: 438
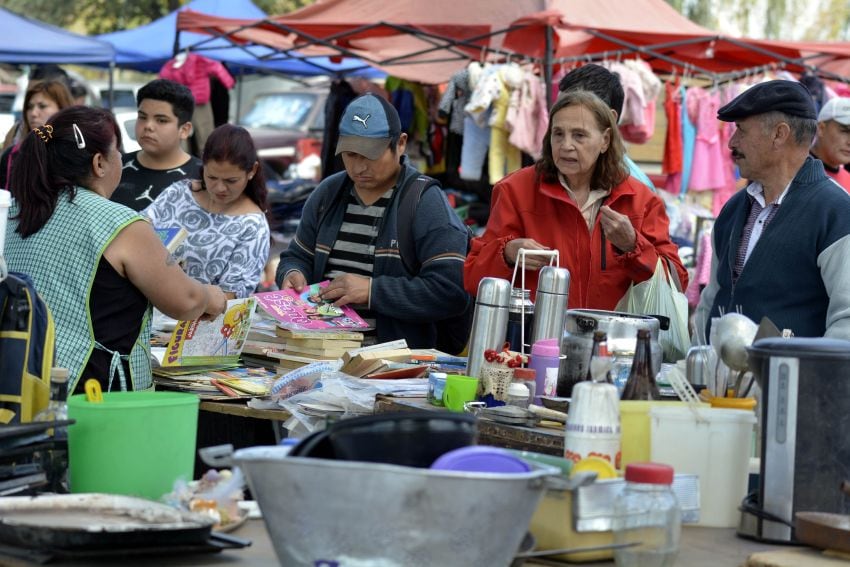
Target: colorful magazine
x: 306, y: 311
x: 218, y: 341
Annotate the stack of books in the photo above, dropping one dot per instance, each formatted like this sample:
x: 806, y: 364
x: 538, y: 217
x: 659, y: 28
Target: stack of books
x: 308, y: 328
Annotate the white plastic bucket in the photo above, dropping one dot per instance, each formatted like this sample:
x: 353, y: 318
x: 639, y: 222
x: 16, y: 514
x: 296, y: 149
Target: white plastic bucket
x: 716, y: 449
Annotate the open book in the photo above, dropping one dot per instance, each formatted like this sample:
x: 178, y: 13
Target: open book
x: 213, y: 342
x: 307, y: 311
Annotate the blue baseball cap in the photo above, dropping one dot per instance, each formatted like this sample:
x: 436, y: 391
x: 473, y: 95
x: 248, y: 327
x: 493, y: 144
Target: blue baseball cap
x: 367, y: 127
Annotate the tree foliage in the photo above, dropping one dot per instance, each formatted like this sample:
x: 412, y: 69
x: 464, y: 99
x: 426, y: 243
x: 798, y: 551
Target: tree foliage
x: 92, y: 17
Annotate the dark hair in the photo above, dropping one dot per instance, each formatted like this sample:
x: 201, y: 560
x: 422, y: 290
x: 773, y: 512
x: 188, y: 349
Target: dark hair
x: 598, y: 80
x: 48, y: 71
x: 610, y: 169
x: 233, y: 144
x: 50, y: 162
x: 179, y: 96
x: 54, y: 89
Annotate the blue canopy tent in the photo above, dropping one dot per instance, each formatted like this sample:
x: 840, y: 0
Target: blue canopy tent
x: 149, y: 47
x: 26, y: 41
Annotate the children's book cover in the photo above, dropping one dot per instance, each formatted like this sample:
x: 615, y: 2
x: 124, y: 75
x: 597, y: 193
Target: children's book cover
x: 307, y: 311
x: 172, y: 237
x: 211, y: 342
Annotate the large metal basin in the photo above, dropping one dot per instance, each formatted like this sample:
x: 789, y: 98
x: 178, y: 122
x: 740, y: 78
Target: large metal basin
x: 353, y: 514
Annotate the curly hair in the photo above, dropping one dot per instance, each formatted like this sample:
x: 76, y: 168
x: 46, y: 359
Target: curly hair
x: 610, y: 169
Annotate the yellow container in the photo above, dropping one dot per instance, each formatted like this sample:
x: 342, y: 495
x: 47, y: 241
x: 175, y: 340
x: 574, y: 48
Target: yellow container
x: 635, y: 446
x: 553, y: 527
x: 734, y: 403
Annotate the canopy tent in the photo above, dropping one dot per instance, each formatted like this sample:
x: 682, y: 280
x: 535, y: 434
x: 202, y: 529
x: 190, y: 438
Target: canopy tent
x: 27, y: 41
x: 149, y: 47
x: 420, y: 41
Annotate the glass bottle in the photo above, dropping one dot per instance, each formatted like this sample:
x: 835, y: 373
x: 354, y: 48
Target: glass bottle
x: 57, y: 407
x: 598, y: 350
x: 527, y: 377
x: 54, y: 460
x: 647, y: 512
x: 641, y: 383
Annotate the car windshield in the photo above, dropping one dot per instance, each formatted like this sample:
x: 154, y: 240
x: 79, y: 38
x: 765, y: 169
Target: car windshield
x: 280, y: 110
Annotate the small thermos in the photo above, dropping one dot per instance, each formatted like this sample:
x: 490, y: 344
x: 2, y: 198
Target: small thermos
x: 520, y: 314
x: 550, y: 305
x: 489, y: 322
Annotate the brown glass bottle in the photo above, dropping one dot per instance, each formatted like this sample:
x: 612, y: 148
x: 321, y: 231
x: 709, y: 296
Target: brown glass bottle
x: 641, y: 383
x: 600, y: 348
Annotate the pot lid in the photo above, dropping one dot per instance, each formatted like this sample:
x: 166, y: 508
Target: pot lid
x: 800, y: 347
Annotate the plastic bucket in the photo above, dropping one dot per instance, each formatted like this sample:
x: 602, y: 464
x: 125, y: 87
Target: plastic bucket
x: 134, y: 443
x: 717, y: 449
x: 634, y: 420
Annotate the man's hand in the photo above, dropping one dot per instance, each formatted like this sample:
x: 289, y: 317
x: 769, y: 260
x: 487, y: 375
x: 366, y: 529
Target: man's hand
x: 618, y: 229
x: 531, y: 262
x: 348, y: 288
x: 294, y: 280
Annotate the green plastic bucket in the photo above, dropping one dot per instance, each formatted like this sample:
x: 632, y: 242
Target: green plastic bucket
x: 134, y: 443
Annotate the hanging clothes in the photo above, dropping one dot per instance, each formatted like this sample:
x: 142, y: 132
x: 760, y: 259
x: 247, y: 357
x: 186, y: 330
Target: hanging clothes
x: 689, y: 134
x: 672, y: 161
x: 528, y: 115
x: 195, y: 71
x: 503, y: 157
x: 454, y: 99
x: 341, y: 94
x: 707, y: 170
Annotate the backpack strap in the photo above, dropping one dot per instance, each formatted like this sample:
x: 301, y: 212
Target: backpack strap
x: 408, y: 203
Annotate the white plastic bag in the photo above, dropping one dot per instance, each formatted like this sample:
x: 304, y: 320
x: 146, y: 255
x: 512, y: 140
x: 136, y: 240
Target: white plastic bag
x: 657, y: 296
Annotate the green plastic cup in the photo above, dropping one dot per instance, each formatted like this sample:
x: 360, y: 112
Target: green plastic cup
x: 459, y: 390
x: 133, y: 443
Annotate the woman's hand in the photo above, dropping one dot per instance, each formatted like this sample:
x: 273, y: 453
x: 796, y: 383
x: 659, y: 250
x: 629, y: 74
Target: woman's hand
x: 531, y: 262
x: 618, y: 229
x: 216, y: 303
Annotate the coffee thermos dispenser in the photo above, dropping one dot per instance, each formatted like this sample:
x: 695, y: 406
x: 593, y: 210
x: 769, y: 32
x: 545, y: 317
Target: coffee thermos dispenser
x: 805, y: 446
x: 489, y: 321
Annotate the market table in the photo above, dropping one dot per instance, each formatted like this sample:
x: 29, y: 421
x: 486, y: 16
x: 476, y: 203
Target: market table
x: 700, y: 547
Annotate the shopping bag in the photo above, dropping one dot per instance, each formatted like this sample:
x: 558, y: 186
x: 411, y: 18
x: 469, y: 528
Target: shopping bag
x: 658, y: 296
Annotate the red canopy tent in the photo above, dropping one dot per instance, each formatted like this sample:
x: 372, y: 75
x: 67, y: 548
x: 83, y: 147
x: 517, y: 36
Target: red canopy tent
x: 429, y: 41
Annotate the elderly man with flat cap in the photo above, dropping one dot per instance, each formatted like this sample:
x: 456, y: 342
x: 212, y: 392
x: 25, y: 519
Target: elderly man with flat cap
x: 781, y: 245
x: 349, y: 234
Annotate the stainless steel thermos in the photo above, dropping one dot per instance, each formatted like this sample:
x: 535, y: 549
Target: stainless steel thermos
x: 489, y: 322
x: 550, y: 305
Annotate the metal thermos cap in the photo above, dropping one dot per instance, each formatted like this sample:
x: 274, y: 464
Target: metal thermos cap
x: 494, y: 291
x: 553, y: 280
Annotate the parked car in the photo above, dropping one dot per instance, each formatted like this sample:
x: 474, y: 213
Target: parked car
x: 123, y: 95
x: 127, y: 125
x: 279, y: 120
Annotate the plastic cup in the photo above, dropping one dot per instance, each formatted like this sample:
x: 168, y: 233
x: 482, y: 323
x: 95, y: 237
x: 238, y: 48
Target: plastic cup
x: 459, y: 390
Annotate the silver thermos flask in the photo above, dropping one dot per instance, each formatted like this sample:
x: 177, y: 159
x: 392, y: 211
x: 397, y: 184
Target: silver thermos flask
x: 489, y: 321
x: 550, y: 305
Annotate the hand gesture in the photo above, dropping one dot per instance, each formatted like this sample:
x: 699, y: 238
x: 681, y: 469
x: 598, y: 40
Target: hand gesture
x: 618, y: 229
x: 531, y: 262
x: 347, y: 288
x: 294, y: 280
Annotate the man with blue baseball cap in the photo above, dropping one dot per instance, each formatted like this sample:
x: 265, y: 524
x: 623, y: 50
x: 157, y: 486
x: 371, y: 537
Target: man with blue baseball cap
x: 780, y: 246
x: 349, y: 234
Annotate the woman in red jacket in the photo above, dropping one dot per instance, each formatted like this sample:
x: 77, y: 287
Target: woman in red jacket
x: 579, y: 199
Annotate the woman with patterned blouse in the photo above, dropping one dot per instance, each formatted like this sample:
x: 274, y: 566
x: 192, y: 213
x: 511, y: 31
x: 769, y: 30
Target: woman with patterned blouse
x: 223, y: 212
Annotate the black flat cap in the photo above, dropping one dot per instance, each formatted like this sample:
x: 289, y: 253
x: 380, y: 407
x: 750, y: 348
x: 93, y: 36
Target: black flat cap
x: 789, y: 97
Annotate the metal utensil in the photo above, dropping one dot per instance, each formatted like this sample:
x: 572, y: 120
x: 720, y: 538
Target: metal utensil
x: 735, y: 332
